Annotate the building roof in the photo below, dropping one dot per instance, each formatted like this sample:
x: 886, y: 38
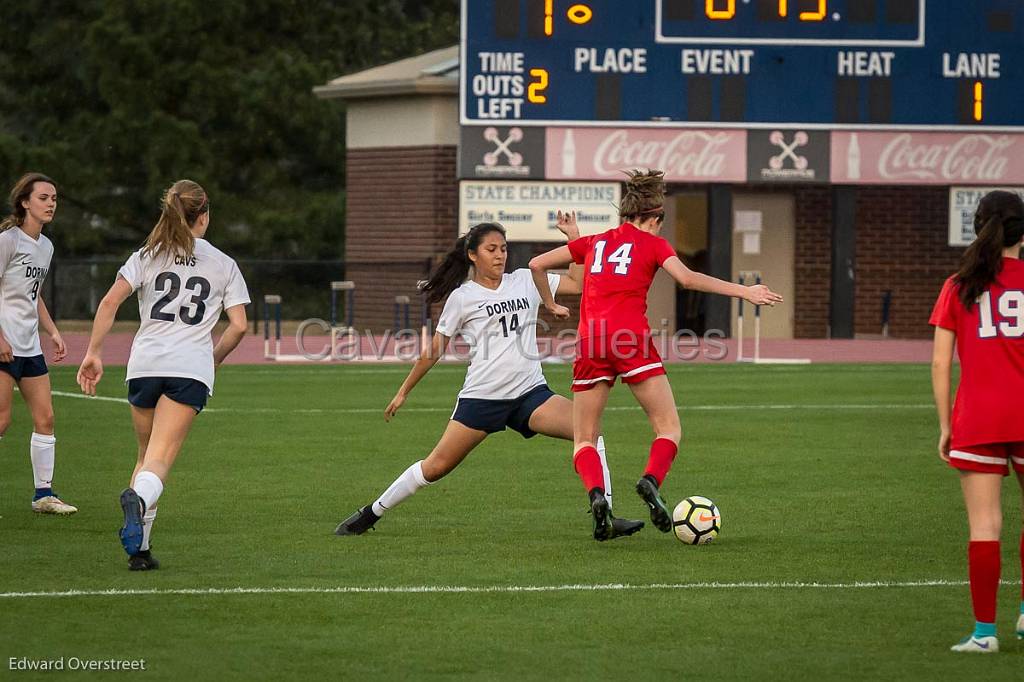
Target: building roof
x: 432, y: 73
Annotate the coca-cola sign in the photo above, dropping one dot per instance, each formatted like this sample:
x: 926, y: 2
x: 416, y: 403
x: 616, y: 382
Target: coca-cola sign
x: 684, y: 155
x: 927, y: 158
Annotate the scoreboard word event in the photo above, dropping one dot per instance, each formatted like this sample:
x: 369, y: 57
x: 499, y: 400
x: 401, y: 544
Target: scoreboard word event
x: 916, y: 64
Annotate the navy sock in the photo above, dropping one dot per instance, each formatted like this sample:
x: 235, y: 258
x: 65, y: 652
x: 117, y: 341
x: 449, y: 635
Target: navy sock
x: 42, y: 492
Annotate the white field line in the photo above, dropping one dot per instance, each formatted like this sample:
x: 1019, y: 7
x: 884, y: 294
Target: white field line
x: 495, y: 589
x: 614, y: 408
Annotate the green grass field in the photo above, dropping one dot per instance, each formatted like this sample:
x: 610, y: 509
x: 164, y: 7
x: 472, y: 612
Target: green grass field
x: 824, y: 474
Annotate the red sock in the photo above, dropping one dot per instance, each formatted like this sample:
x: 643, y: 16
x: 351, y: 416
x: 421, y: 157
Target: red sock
x: 588, y: 466
x: 663, y: 452
x: 983, y: 568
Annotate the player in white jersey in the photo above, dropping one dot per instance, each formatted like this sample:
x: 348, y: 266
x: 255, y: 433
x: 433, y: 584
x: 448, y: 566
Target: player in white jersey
x: 183, y: 283
x: 496, y: 314
x: 25, y: 255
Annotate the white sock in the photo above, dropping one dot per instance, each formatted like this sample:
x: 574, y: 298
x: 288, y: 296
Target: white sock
x: 604, y: 468
x: 148, y: 486
x: 41, y: 452
x: 147, y: 527
x: 403, y: 488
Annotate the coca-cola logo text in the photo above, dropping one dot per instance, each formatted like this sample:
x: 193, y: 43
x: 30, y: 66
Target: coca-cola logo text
x: 970, y: 158
x: 690, y: 154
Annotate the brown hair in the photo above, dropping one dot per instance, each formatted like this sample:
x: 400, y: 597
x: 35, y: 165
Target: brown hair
x: 182, y: 205
x: 999, y: 224
x: 454, y: 268
x: 645, y: 193
x: 21, y: 191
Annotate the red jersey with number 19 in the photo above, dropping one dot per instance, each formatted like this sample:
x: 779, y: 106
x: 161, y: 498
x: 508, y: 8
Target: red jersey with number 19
x: 619, y: 266
x: 990, y: 345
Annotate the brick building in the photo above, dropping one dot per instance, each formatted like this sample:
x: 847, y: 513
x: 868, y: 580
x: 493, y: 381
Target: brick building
x: 868, y: 217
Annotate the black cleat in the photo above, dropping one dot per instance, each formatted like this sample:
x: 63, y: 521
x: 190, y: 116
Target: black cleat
x: 602, y: 513
x: 131, y: 533
x: 358, y: 523
x: 623, y: 527
x: 647, y: 489
x: 143, y: 561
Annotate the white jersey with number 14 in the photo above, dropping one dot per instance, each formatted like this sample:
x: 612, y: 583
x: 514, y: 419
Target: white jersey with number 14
x: 180, y: 300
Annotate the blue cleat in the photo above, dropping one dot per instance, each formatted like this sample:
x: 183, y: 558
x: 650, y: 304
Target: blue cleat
x: 131, y: 533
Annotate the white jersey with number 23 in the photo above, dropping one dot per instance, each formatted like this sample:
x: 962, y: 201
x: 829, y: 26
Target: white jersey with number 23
x: 180, y: 300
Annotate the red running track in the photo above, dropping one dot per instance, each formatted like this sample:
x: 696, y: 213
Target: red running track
x: 375, y: 349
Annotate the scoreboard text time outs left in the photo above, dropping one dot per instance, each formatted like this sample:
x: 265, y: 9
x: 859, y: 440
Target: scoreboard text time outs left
x: 744, y: 63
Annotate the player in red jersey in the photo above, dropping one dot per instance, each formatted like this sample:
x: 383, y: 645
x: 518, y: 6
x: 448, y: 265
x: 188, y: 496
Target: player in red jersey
x: 614, y: 339
x: 981, y: 312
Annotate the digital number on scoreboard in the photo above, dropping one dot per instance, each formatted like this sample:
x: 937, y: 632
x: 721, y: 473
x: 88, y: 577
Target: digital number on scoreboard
x: 744, y: 63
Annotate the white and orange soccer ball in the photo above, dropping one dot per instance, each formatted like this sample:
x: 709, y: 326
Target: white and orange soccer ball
x: 696, y: 520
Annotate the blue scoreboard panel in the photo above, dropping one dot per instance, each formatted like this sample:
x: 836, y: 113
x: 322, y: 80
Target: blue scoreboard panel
x: 928, y: 64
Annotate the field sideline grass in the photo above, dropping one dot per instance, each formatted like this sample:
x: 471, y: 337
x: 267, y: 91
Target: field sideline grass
x: 837, y: 483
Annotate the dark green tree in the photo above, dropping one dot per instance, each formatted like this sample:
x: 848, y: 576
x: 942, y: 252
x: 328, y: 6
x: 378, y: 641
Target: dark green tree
x: 116, y: 99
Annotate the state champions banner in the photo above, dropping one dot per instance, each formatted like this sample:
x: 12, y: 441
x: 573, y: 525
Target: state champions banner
x: 528, y: 209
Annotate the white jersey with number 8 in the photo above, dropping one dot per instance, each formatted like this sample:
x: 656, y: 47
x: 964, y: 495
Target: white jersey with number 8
x: 24, y: 263
x: 180, y: 300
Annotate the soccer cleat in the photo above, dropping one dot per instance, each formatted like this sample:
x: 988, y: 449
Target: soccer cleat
x: 143, y: 561
x: 51, y: 504
x: 131, y: 532
x: 1020, y: 627
x: 623, y: 527
x: 660, y: 515
x: 357, y: 524
x: 977, y: 645
x: 602, y: 513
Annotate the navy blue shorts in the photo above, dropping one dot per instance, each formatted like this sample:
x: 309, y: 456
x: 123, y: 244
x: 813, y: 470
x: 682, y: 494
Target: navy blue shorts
x: 23, y: 367
x: 492, y: 416
x: 146, y: 391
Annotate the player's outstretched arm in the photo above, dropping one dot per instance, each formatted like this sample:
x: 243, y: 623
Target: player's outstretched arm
x: 91, y: 371
x: 539, y: 266
x: 942, y: 367
x: 427, y: 359
x: 758, y: 294
x: 232, y: 336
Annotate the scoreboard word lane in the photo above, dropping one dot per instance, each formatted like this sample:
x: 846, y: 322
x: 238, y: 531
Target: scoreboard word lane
x: 744, y: 63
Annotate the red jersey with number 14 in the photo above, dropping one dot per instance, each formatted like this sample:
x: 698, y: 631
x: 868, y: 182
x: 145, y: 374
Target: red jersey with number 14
x: 990, y: 344
x: 619, y: 266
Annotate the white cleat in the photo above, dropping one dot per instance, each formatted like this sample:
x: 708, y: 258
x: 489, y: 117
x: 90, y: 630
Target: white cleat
x: 977, y: 645
x: 1020, y: 627
x: 52, y: 505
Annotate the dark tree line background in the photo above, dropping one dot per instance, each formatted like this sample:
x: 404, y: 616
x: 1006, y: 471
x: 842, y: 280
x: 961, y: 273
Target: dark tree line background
x: 116, y: 99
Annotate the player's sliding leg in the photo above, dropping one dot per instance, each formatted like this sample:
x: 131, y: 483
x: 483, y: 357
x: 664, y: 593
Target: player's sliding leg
x: 457, y: 441
x: 42, y: 446
x: 554, y: 419
x: 985, y: 517
x: 171, y: 423
x: 143, y: 560
x: 587, y: 408
x: 655, y: 395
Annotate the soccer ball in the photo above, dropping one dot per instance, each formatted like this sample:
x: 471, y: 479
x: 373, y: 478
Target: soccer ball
x: 696, y: 520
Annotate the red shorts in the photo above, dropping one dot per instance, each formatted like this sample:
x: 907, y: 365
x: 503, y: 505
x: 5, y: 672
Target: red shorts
x: 992, y: 458
x: 607, y: 358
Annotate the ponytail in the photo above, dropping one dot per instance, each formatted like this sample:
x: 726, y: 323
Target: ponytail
x: 21, y: 191
x: 454, y: 269
x: 999, y: 224
x: 182, y: 205
x: 645, y: 193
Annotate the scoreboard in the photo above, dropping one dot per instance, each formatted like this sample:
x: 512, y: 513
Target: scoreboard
x: 885, y: 64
